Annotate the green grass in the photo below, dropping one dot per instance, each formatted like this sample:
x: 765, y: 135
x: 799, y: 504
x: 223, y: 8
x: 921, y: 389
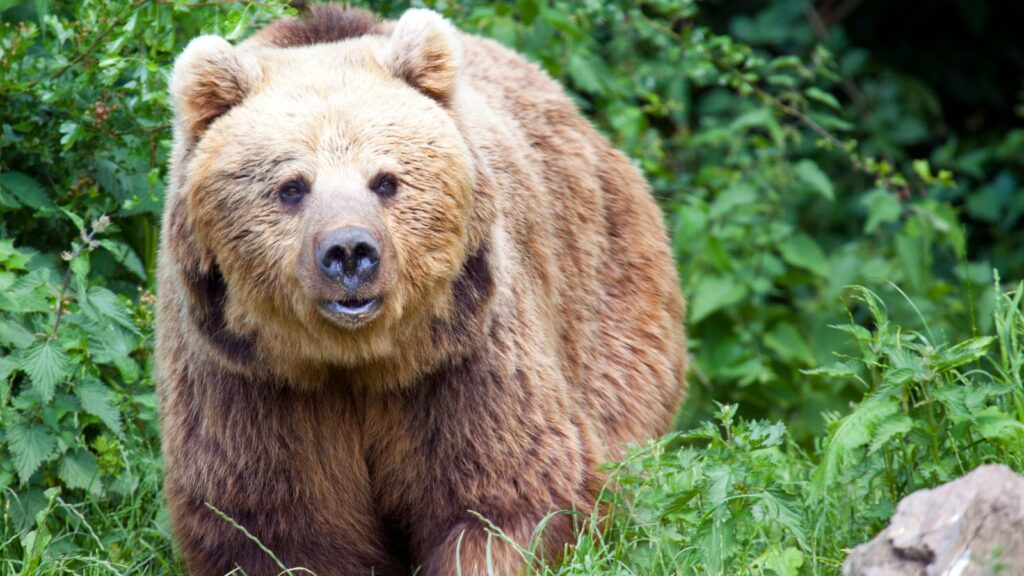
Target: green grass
x: 731, y: 496
x: 90, y: 537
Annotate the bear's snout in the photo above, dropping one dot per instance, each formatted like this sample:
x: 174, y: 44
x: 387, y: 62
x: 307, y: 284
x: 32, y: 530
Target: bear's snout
x: 349, y: 255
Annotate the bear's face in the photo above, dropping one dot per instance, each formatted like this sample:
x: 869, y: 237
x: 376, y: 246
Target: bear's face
x: 329, y: 186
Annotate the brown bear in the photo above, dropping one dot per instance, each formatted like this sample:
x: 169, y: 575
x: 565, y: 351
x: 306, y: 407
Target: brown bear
x: 404, y: 286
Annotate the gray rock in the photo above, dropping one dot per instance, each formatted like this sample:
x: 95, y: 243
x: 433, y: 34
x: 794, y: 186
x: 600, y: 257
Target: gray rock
x: 971, y: 526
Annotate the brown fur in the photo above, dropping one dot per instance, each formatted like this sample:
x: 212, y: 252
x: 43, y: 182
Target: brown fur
x: 320, y: 24
x: 532, y: 323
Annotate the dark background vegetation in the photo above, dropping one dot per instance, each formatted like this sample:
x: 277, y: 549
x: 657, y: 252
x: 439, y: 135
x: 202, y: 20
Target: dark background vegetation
x: 841, y: 179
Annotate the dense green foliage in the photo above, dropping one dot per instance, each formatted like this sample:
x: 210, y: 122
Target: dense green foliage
x: 793, y: 158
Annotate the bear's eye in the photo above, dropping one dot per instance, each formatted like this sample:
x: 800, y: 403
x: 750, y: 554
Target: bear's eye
x: 292, y: 191
x: 384, y: 185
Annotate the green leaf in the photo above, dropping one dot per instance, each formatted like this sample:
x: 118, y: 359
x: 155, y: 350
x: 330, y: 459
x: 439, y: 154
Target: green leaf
x: 27, y: 294
x: 732, y: 198
x: 12, y: 333
x: 124, y: 254
x: 97, y: 399
x: 963, y: 353
x: 836, y: 370
x: 560, y: 20
x: 7, y: 366
x: 996, y: 425
x: 781, y: 510
x: 103, y: 306
x: 822, y: 97
x: 890, y: 429
x: 802, y: 251
x: 690, y: 227
x: 26, y: 190
x: 30, y: 446
x: 720, y: 483
x: 24, y: 509
x: 241, y: 25
x: 754, y: 118
x: 72, y: 132
x: 6, y: 201
x: 583, y: 75
x: 529, y: 10
x: 78, y: 469
x: 35, y: 542
x: 13, y: 258
x: 785, y: 562
x: 704, y: 431
x: 923, y: 169
x: 830, y: 122
x: 75, y: 218
x: 882, y: 207
x: 714, y: 293
x: 46, y: 365
x: 8, y: 4
x: 859, y: 332
x: 783, y: 80
x: 848, y: 434
x: 786, y: 341
x: 718, y: 542
x: 808, y: 172
x: 112, y: 345
x: 956, y: 402
x: 898, y: 377
x: 80, y: 271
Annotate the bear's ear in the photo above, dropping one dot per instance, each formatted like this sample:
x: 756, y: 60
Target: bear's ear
x: 425, y: 51
x: 210, y: 77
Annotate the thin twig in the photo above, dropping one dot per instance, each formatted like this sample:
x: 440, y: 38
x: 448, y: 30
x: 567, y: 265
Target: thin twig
x: 60, y: 303
x: 808, y: 122
x: 842, y: 11
x: 64, y: 289
x: 98, y: 225
x: 816, y: 21
x: 820, y: 25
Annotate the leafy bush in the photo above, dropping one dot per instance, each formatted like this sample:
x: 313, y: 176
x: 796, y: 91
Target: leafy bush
x: 740, y: 497
x: 791, y: 163
x: 81, y: 413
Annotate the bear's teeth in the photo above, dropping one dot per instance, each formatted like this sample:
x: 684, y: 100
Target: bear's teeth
x: 353, y: 307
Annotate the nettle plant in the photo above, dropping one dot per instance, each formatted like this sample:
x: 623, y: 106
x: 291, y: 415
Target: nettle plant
x: 738, y: 496
x: 84, y: 113
x: 73, y: 375
x: 934, y: 410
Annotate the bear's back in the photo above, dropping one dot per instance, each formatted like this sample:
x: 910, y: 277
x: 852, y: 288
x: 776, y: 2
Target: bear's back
x: 582, y: 217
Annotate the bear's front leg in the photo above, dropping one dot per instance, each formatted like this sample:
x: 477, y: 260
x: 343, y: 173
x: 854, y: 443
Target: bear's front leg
x: 284, y: 465
x: 500, y: 435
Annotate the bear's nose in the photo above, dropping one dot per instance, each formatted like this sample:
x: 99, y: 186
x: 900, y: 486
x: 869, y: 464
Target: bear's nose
x: 350, y: 255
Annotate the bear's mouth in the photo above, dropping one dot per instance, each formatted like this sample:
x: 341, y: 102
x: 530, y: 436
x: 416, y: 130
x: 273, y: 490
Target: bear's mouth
x: 351, y: 312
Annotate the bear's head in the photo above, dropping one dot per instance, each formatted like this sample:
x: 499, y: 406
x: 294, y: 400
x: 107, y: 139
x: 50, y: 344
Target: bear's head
x: 321, y: 215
